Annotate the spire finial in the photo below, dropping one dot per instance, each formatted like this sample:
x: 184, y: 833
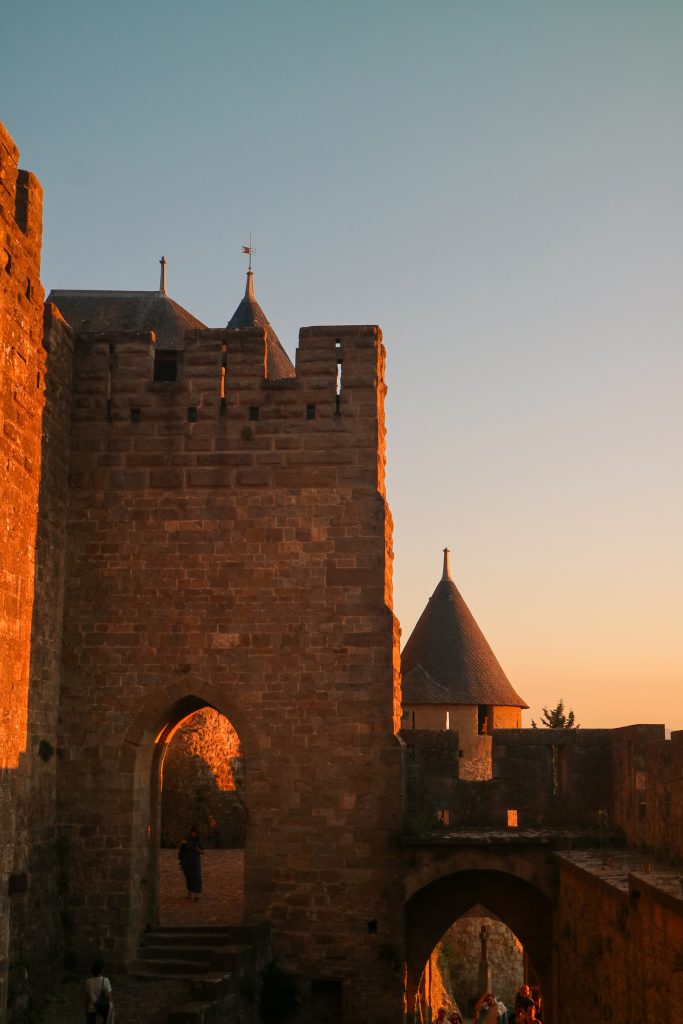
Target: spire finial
x: 162, y: 276
x: 247, y: 250
x: 446, y: 567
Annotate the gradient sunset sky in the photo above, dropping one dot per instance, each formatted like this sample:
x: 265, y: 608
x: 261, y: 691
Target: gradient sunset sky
x: 498, y: 185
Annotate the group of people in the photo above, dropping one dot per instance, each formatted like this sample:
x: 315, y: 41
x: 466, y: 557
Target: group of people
x: 489, y: 1010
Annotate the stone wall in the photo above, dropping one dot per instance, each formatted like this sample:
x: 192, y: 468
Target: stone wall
x: 36, y: 922
x: 620, y: 947
x: 549, y: 777
x: 21, y: 406
x: 203, y: 783
x: 648, y: 802
x: 235, y: 552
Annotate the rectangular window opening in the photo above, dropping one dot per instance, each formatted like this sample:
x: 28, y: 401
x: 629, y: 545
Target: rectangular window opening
x: 135, y: 415
x: 254, y: 413
x: 310, y: 412
x: 192, y: 414
x: 166, y: 366
x: 513, y: 821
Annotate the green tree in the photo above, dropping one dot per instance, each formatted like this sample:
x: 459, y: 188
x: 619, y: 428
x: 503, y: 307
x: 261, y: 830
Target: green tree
x: 556, y: 718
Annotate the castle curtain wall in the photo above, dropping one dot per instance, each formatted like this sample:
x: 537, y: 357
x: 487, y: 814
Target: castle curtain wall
x: 28, y: 693
x: 238, y: 550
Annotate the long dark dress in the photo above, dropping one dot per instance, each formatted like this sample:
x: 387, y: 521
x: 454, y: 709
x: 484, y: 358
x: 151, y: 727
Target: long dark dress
x: 190, y: 859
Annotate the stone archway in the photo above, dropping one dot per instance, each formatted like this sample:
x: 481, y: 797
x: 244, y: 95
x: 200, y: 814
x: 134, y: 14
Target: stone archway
x: 141, y: 756
x: 527, y: 911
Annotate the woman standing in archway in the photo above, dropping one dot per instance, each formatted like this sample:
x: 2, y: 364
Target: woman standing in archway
x: 189, y: 855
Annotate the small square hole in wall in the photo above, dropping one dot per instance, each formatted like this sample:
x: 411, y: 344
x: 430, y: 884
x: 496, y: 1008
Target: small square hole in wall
x: 372, y: 927
x: 192, y: 414
x: 135, y: 415
x: 254, y: 412
x: 512, y: 819
x: 310, y: 412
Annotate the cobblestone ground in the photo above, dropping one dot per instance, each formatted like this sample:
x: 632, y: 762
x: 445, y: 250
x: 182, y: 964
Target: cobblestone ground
x: 139, y: 1001
x: 222, y: 900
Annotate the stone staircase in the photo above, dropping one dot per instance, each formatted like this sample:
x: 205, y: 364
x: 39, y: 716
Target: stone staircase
x: 219, y: 964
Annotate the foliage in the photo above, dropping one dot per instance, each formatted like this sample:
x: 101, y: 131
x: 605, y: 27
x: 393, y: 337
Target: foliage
x: 556, y: 718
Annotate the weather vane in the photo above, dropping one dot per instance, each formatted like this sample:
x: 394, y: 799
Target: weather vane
x: 247, y: 249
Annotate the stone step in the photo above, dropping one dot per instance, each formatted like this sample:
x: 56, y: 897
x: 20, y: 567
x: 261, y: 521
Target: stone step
x: 169, y: 968
x: 185, y: 940
x: 197, y: 1012
x: 211, y: 987
x: 233, y: 932
x: 198, y: 954
x: 212, y: 957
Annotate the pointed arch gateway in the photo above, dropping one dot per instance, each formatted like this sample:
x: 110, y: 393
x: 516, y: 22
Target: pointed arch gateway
x: 143, y: 750
x: 523, y: 907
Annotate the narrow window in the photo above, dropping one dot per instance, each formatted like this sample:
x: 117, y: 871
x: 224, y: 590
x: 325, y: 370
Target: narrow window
x: 111, y: 362
x: 254, y: 412
x: 310, y: 412
x: 337, y: 400
x: 166, y: 364
x: 192, y: 414
x: 135, y: 415
x: 512, y: 819
x: 29, y: 288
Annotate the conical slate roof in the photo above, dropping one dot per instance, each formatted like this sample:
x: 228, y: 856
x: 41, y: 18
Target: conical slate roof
x: 250, y: 314
x: 447, y: 659
x: 96, y: 311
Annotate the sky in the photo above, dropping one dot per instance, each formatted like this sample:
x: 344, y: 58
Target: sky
x: 499, y: 185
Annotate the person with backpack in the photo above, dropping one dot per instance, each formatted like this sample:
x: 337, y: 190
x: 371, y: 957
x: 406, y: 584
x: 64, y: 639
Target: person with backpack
x: 99, y: 1000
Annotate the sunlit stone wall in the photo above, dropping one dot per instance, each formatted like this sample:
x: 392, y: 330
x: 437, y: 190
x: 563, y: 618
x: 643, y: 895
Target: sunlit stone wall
x: 21, y: 405
x: 203, y: 783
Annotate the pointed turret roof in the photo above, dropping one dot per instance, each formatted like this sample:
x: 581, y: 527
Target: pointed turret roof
x: 250, y: 314
x: 447, y: 659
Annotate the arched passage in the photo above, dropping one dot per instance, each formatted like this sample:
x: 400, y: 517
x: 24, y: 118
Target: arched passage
x: 520, y: 905
x: 141, y: 756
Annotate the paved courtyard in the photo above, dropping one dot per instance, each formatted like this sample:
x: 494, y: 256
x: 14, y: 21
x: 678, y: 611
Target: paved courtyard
x: 222, y: 899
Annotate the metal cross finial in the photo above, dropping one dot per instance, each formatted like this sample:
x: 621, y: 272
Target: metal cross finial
x: 162, y: 276
x: 247, y: 249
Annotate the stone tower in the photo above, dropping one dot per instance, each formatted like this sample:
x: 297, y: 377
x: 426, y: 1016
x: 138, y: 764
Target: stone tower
x: 452, y: 679
x: 229, y: 547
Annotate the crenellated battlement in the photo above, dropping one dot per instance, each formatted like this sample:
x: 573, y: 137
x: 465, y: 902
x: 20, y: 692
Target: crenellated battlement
x: 21, y: 196
x: 222, y: 415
